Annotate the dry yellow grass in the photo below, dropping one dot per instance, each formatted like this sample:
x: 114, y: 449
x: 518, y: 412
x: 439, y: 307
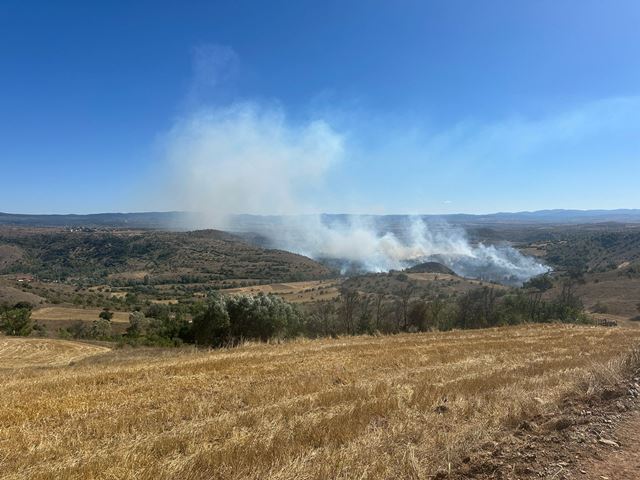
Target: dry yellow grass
x: 361, y: 407
x: 52, y: 314
x: 29, y: 352
x: 294, y: 292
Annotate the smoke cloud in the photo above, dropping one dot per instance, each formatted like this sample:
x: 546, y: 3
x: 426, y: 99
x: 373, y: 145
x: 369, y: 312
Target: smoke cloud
x: 358, y: 243
x: 248, y: 159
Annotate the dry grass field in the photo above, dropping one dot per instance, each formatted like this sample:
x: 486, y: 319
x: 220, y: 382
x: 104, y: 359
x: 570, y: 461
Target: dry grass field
x: 619, y: 294
x: 294, y: 292
x: 29, y: 352
x: 392, y: 407
x: 60, y: 314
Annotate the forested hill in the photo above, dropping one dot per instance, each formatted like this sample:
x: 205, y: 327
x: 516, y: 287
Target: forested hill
x: 152, y: 256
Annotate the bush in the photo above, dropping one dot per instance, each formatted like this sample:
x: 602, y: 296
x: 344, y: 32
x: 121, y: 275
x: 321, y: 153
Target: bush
x: 230, y: 319
x: 262, y: 317
x: 138, y: 325
x: 211, y: 325
x: 100, y: 329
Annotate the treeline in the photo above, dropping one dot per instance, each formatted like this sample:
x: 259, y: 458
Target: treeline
x: 221, y: 320
x: 228, y: 320
x: 356, y: 313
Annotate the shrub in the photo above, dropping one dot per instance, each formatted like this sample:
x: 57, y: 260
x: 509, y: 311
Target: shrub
x: 211, y: 324
x: 101, y: 329
x: 138, y: 325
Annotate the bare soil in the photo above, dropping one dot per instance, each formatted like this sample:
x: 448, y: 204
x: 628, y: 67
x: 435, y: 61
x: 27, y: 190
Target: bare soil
x: 594, y: 438
x: 621, y: 463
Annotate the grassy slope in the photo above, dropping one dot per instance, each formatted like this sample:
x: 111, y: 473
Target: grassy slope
x: 390, y: 407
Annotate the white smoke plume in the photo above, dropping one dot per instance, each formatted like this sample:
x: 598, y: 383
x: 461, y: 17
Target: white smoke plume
x: 249, y: 159
x: 357, y: 243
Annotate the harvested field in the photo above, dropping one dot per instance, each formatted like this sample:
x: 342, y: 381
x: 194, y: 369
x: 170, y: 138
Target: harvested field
x: 52, y: 314
x: 29, y: 352
x: 401, y: 406
x: 295, y: 292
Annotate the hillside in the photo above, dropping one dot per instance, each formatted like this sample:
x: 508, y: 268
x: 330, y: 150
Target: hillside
x: 421, y: 284
x: 150, y: 257
x: 430, y: 267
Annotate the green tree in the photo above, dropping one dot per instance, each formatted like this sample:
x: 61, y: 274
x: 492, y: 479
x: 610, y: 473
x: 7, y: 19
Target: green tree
x: 418, y: 315
x: 263, y: 317
x: 106, y: 314
x: 211, y: 324
x: 138, y: 325
x: 541, y: 283
x: 16, y: 321
x: 101, y: 329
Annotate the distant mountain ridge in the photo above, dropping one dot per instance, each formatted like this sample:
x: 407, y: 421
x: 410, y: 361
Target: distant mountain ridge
x: 133, y: 220
x: 183, y: 220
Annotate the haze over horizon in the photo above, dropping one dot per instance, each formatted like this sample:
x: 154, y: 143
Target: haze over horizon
x: 240, y: 107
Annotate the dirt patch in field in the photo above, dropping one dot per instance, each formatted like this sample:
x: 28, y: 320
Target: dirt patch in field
x: 620, y: 462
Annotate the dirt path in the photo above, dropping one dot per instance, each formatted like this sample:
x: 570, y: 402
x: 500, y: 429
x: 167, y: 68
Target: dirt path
x: 618, y: 463
x: 594, y: 438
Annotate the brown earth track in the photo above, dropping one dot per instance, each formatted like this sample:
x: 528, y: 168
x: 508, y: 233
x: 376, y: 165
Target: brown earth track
x: 618, y: 463
x: 591, y: 437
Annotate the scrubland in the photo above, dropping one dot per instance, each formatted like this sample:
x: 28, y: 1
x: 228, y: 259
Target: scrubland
x: 402, y: 406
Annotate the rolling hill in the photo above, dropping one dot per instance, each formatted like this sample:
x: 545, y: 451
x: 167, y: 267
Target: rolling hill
x: 134, y: 256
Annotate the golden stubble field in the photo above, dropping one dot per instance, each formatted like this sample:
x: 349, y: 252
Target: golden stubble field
x: 18, y: 353
x: 365, y: 407
x: 55, y: 314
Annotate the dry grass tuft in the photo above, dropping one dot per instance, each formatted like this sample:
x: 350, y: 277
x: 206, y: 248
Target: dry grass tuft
x: 364, y: 407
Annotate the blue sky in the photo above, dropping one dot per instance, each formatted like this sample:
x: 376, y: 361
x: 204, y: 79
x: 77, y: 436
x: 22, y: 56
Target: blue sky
x: 396, y: 106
